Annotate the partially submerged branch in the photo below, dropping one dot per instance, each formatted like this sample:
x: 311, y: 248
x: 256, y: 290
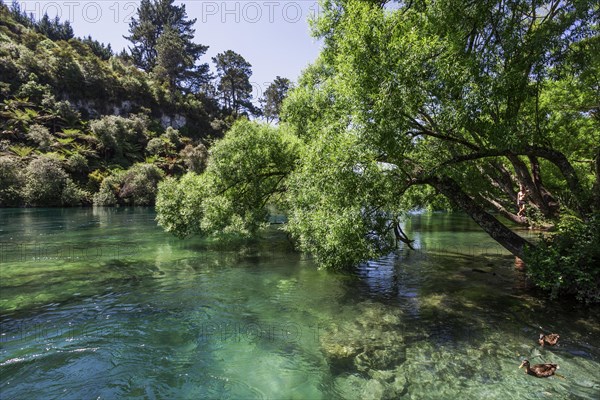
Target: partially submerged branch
x: 402, y: 237
x: 498, y: 231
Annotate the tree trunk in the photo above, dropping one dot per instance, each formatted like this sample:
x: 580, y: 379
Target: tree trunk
x: 525, y: 178
x: 500, y: 233
x: 507, y: 214
x: 596, y: 205
x: 499, y: 181
x: 567, y: 170
x: 505, y: 179
x: 547, y: 197
x: 557, y: 158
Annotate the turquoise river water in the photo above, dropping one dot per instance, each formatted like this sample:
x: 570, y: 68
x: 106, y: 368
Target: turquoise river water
x: 99, y: 303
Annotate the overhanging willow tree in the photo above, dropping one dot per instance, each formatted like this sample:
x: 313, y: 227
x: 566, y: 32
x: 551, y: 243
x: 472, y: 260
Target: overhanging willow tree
x: 408, y: 103
x: 464, y: 98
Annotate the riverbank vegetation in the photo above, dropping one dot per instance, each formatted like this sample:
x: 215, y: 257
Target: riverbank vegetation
x: 408, y: 106
x: 421, y: 104
x: 82, y: 125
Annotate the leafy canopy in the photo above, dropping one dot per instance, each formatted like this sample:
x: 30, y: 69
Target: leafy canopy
x: 412, y: 102
x: 273, y: 97
x: 234, y: 81
x: 162, y: 38
x: 245, y: 173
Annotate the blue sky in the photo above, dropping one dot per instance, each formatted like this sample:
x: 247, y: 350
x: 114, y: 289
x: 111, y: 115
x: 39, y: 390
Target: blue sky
x: 272, y: 35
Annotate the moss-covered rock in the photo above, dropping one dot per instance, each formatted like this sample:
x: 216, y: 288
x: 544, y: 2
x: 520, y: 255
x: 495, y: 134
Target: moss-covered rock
x: 373, y: 341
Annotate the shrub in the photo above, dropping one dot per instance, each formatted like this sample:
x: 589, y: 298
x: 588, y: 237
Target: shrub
x: 158, y: 147
x: 139, y: 185
x: 173, y: 136
x: 44, y: 182
x: 95, y: 179
x: 119, y: 136
x: 77, y: 163
x: 32, y: 90
x: 40, y: 135
x: 106, y: 196
x: 195, y: 157
x: 72, y: 195
x: 136, y: 187
x: 47, y: 184
x: 11, y: 181
x: 67, y: 112
x: 568, y: 262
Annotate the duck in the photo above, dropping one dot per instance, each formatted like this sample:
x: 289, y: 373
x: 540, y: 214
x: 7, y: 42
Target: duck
x: 550, y: 339
x: 539, y: 370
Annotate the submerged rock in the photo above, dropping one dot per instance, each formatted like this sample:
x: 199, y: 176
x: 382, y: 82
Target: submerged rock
x: 378, y: 386
x: 373, y: 340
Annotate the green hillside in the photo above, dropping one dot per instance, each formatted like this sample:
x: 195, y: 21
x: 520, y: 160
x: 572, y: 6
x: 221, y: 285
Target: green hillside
x: 80, y: 125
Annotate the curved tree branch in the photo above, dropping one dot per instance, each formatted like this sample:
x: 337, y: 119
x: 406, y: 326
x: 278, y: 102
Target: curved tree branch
x: 498, y: 231
x: 555, y: 157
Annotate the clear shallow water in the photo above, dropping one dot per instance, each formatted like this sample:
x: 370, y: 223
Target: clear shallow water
x: 99, y: 303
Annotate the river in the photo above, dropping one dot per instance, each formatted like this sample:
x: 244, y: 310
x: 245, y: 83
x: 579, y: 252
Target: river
x: 100, y: 303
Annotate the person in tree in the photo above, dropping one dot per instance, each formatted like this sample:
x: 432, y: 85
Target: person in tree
x: 521, y: 200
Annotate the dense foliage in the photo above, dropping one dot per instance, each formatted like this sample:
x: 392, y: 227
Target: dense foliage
x: 273, y: 97
x: 46, y: 183
x: 107, y: 130
x: 136, y: 186
x: 244, y: 175
x: 11, y: 181
x: 568, y: 261
x: 162, y: 38
x: 425, y: 103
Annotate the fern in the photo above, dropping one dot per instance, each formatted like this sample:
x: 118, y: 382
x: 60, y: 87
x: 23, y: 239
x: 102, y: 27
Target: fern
x: 65, y: 141
x: 56, y: 156
x: 70, y: 133
x: 21, y: 151
x: 151, y: 159
x: 84, y: 150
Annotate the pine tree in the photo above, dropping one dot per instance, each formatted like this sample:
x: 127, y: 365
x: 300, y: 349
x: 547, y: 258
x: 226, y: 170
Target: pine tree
x: 99, y: 49
x: 234, y: 82
x: 155, y: 19
x: 21, y: 16
x: 273, y: 98
x: 172, y: 60
x: 54, y: 29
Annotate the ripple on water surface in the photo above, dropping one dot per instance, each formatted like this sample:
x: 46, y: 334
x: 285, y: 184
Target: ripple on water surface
x: 185, y: 319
